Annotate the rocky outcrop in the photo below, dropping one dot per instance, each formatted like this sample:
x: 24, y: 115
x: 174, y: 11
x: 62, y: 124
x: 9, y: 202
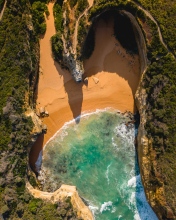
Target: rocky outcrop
x: 75, y: 66
x: 70, y: 60
x: 59, y: 195
x: 37, y: 128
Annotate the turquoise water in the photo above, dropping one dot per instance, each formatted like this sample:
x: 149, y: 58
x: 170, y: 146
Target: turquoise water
x: 98, y: 156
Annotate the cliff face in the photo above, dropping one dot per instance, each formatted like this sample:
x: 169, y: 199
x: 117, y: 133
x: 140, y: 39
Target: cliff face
x: 150, y: 165
x: 151, y: 177
x: 149, y: 162
x: 19, y: 54
x: 64, y: 192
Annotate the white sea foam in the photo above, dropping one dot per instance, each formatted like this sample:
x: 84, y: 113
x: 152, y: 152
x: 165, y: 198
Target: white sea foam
x: 93, y: 209
x: 127, y: 133
x: 138, y: 202
x: 134, y: 181
x: 107, y: 173
x: 105, y: 206
x: 113, y: 209
x: 132, y: 188
x: 38, y: 163
x: 62, y: 131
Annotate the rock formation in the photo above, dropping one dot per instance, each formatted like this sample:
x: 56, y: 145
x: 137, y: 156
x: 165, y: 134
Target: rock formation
x: 59, y: 195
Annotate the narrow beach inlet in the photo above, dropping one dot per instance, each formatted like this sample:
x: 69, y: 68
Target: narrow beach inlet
x: 113, y: 77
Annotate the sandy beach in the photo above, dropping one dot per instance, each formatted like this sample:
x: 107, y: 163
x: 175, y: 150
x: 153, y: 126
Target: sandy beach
x: 113, y: 77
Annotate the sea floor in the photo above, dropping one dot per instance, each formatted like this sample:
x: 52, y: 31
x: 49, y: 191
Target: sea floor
x: 97, y: 155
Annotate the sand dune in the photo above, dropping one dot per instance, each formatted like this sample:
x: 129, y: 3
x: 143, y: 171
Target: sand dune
x: 117, y: 72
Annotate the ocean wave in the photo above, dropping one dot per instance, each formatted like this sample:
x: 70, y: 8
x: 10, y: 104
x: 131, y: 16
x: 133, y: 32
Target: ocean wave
x: 94, y: 209
x: 127, y: 133
x: 106, y: 206
x: 62, y: 131
x: 107, y: 173
x: 138, y: 202
x: 38, y: 163
x: 128, y: 186
x: 134, y: 181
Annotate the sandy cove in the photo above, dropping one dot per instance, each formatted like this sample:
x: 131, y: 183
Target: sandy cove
x: 117, y: 72
x: 113, y: 77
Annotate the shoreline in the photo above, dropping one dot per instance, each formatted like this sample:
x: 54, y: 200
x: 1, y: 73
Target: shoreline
x: 84, y: 115
x: 112, y: 74
x: 129, y: 115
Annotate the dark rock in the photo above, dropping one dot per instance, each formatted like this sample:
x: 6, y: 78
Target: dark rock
x: 44, y: 128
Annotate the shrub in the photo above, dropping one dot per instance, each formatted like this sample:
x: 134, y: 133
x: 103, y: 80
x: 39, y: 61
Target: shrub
x: 57, y: 46
x: 38, y: 9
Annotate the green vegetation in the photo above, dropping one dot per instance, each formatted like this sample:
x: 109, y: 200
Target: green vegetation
x: 18, y: 61
x: 56, y: 40
x: 31, y: 208
x: 102, y: 5
x: 43, y: 1
x: 57, y: 47
x: 19, y: 55
x: 1, y: 4
x: 159, y: 82
x: 72, y: 3
x: 78, y: 5
x: 165, y: 14
x: 82, y: 32
x: 58, y: 20
x: 81, y: 6
x: 38, y: 10
x: 43, y: 210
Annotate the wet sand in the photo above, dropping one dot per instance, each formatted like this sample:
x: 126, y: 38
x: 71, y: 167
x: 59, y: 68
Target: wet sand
x: 64, y: 99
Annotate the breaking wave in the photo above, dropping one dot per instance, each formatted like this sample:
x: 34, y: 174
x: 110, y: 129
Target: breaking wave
x: 98, y: 156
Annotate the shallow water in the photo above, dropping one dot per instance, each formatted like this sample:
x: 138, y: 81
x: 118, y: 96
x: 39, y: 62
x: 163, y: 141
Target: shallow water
x: 98, y: 156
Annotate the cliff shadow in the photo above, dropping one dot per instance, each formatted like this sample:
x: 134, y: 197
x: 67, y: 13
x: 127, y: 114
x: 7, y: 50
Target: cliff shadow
x: 35, y: 151
x: 115, y: 49
x: 73, y: 90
